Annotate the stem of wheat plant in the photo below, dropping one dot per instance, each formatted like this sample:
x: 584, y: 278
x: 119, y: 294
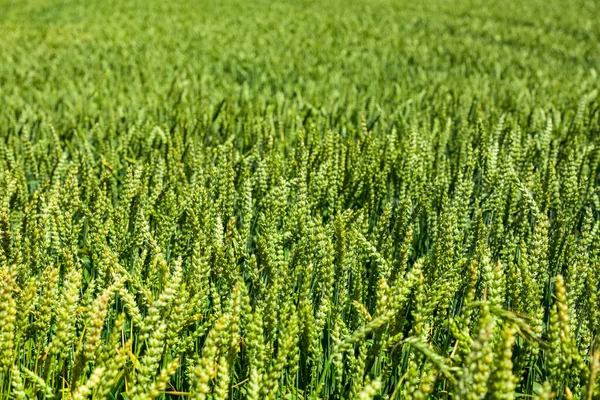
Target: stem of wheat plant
x: 299, y: 200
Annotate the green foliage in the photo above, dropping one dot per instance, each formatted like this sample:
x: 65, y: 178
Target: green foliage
x: 285, y: 200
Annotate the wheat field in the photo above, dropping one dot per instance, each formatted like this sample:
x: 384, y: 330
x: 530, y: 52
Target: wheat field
x: 299, y: 199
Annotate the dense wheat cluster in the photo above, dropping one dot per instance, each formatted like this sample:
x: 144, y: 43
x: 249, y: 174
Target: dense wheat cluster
x: 299, y: 200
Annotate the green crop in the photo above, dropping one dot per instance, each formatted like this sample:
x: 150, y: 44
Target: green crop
x: 299, y: 199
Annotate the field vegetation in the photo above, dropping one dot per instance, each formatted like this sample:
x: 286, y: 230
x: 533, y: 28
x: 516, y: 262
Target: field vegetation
x: 299, y: 199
